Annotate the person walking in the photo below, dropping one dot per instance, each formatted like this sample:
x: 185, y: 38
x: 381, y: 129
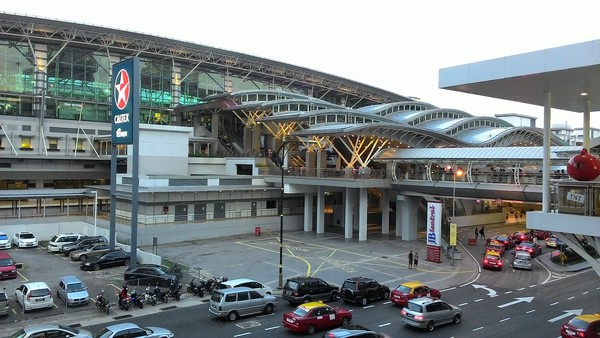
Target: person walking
x: 476, y: 233
x: 410, y: 259
x: 482, y: 233
x: 415, y: 260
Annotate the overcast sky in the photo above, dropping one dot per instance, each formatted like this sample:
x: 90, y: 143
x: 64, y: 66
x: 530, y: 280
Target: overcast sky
x: 395, y: 45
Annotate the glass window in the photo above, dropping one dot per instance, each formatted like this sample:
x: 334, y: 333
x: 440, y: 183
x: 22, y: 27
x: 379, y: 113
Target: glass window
x: 243, y: 296
x: 26, y: 143
x: 52, y: 143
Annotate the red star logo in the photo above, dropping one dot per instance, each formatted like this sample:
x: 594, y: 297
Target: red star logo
x: 121, y: 91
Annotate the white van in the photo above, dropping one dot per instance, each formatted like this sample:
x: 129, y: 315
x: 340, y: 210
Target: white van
x: 57, y: 241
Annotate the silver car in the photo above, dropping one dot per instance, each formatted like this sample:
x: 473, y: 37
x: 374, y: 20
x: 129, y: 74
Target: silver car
x: 427, y: 313
x: 52, y: 330
x: 232, y: 303
x: 522, y: 260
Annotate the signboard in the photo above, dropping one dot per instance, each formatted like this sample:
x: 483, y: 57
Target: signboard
x: 575, y: 197
x: 434, y: 223
x: 453, y: 234
x: 125, y: 100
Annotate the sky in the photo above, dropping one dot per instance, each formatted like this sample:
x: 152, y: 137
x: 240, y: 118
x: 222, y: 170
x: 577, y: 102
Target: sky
x: 398, y: 46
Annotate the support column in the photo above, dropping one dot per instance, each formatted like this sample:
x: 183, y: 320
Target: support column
x: 407, y: 226
x: 247, y: 138
x: 255, y: 149
x: 546, y: 158
x: 320, y: 210
x: 385, y: 212
x: 586, y: 122
x: 348, y: 212
x: 215, y: 124
x: 362, y: 212
x: 308, y: 211
x: 319, y: 165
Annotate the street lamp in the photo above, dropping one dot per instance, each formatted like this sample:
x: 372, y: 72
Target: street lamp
x: 458, y: 173
x: 95, y: 192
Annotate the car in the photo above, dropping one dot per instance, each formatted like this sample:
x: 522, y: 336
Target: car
x: 582, y: 326
x: 409, y: 290
x: 150, y: 274
x: 427, y: 313
x: 3, y: 303
x: 81, y: 243
x: 534, y: 249
x: 495, y: 246
x: 299, y: 290
x: 24, y: 239
x: 133, y: 330
x: 8, y: 267
x: 505, y: 240
x: 51, y: 330
x: 362, y: 290
x: 57, y: 241
x: 354, y: 331
x: 554, y: 242
x: 521, y: 236
x: 4, y: 241
x: 34, y: 295
x: 108, y: 259
x: 492, y: 260
x: 540, y: 234
x: 73, y: 291
x: 232, y: 303
x: 94, y: 250
x: 250, y: 283
x: 315, y: 316
x: 522, y: 260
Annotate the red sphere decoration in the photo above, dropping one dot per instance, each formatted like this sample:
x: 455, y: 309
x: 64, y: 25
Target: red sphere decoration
x: 584, y: 166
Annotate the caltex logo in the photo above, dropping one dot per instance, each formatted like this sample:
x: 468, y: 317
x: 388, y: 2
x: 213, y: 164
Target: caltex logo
x: 121, y: 91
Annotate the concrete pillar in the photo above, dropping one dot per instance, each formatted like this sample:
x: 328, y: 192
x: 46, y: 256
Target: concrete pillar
x: 586, y: 122
x: 310, y: 163
x: 215, y: 124
x: 247, y: 138
x: 308, y: 211
x: 385, y: 212
x: 320, y: 210
x: 256, y: 131
x: 348, y: 212
x: 362, y: 212
x: 319, y: 163
x: 406, y: 221
x: 546, y: 158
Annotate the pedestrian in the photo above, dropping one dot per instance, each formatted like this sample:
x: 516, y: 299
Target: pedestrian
x: 476, y: 233
x: 415, y: 260
x: 482, y: 233
x: 410, y: 259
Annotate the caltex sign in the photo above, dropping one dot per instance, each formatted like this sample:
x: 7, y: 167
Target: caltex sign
x: 125, y: 100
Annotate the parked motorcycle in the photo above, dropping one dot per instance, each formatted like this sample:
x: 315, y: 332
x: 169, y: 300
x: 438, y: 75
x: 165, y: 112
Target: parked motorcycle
x: 102, y: 303
x: 125, y: 303
x: 197, y: 288
x: 213, y: 284
x: 175, y: 290
x: 135, y: 299
x: 149, y: 297
x: 159, y: 295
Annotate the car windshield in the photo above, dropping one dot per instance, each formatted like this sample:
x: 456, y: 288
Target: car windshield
x: 26, y: 236
x: 105, y: 333
x: 414, y: 307
x: 3, y: 236
x: 300, y: 311
x: 578, y: 323
x: 216, y: 297
x: 40, y: 292
x: 349, y: 285
x: 19, y: 334
x: 7, y: 262
x: 75, y: 287
x: 54, y: 238
x: 292, y: 285
x: 403, y: 289
x: 491, y: 257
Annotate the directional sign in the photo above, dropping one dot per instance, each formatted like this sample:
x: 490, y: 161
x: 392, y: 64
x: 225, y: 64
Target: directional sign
x: 567, y: 313
x: 491, y: 292
x: 517, y: 301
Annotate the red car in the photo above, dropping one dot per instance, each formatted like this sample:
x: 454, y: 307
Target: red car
x: 507, y: 241
x: 541, y: 234
x: 582, y: 326
x: 313, y: 316
x: 492, y: 260
x: 521, y: 236
x: 534, y: 249
x: 409, y: 290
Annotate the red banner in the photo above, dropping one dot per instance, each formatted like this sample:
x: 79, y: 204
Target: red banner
x: 434, y: 254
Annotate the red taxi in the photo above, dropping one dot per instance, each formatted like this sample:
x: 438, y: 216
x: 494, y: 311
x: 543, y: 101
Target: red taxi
x: 495, y: 246
x: 582, y: 326
x: 492, y: 260
x: 409, y: 290
x: 313, y: 316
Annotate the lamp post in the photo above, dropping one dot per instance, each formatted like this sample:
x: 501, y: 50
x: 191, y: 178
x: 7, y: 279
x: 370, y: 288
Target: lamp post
x: 458, y: 173
x: 95, y: 192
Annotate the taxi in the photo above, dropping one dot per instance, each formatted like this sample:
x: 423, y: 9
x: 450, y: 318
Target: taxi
x: 495, y: 246
x: 492, y: 260
x: 582, y: 326
x: 312, y: 316
x: 409, y: 290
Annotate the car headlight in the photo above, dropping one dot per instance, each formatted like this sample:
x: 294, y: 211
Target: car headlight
x: 87, y: 264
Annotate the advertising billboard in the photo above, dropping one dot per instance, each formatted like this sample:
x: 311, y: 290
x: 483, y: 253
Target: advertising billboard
x: 125, y: 100
x: 434, y: 223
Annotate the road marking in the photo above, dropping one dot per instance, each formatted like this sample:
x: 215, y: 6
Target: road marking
x: 567, y: 313
x: 242, y: 334
x: 507, y: 292
x: 478, y: 300
x: 585, y: 293
x: 516, y: 301
x: 477, y: 329
x: 505, y: 319
x: 554, y: 303
x: 490, y: 293
x: 463, y: 304
x: 272, y: 328
x: 532, y: 286
x: 368, y: 306
x: 386, y: 324
x: 530, y: 311
x: 520, y: 289
x: 570, y: 297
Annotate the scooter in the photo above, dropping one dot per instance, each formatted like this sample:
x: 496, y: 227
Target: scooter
x: 159, y: 295
x: 135, y: 299
x: 102, y: 303
x: 124, y: 303
x: 197, y: 288
x: 149, y: 297
x: 175, y: 290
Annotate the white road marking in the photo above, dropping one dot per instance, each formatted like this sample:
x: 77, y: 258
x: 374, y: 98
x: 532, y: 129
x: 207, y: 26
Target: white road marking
x: 386, y: 324
x: 505, y: 319
x: 554, y: 303
x: 272, y: 328
x: 477, y: 329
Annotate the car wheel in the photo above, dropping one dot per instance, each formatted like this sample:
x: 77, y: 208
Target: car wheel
x: 363, y: 301
x: 345, y: 321
x: 126, y: 262
x: 456, y: 319
x: 82, y: 257
x: 430, y: 326
x: 386, y: 295
x: 334, y: 296
x: 269, y: 309
x: 311, y: 329
x: 106, y: 309
x: 232, y: 316
x: 306, y: 299
x: 96, y: 267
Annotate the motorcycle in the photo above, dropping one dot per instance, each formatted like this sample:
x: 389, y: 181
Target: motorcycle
x: 214, y: 283
x: 175, y: 290
x: 159, y: 295
x: 197, y: 288
x: 135, y: 299
x: 102, y: 303
x: 125, y: 303
x: 149, y: 297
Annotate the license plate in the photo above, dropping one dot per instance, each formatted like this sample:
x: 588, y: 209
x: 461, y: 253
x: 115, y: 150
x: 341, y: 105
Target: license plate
x: 39, y: 300
x: 289, y: 320
x: 409, y: 315
x: 570, y: 333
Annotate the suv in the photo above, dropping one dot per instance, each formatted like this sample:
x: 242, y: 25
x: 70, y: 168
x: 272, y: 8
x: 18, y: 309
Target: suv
x: 354, y: 331
x: 81, y: 243
x: 426, y: 313
x: 299, y: 290
x: 362, y: 290
x: 57, y: 241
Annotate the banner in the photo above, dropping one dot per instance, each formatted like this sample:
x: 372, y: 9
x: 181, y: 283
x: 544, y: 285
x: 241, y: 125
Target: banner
x: 434, y: 223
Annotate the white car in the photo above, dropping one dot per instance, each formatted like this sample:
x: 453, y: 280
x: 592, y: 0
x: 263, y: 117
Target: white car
x: 4, y: 241
x: 24, y: 239
x: 52, y: 330
x: 133, y: 330
x: 249, y: 283
x: 34, y: 295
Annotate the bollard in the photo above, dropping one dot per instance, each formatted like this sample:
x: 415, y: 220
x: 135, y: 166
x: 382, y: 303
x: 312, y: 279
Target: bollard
x: 256, y: 231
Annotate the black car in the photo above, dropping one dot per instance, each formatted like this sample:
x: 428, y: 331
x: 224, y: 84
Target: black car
x: 354, y: 331
x: 150, y: 274
x: 82, y: 243
x: 299, y: 290
x: 111, y: 258
x: 362, y: 290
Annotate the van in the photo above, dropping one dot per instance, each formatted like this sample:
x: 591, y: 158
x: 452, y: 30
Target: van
x: 57, y: 241
x: 72, y: 291
x: 8, y: 267
x: 237, y: 302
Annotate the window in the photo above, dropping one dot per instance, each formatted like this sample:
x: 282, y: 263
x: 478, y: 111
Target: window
x: 243, y: 296
x: 53, y: 144
x: 79, y: 145
x: 26, y: 143
x: 230, y: 298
